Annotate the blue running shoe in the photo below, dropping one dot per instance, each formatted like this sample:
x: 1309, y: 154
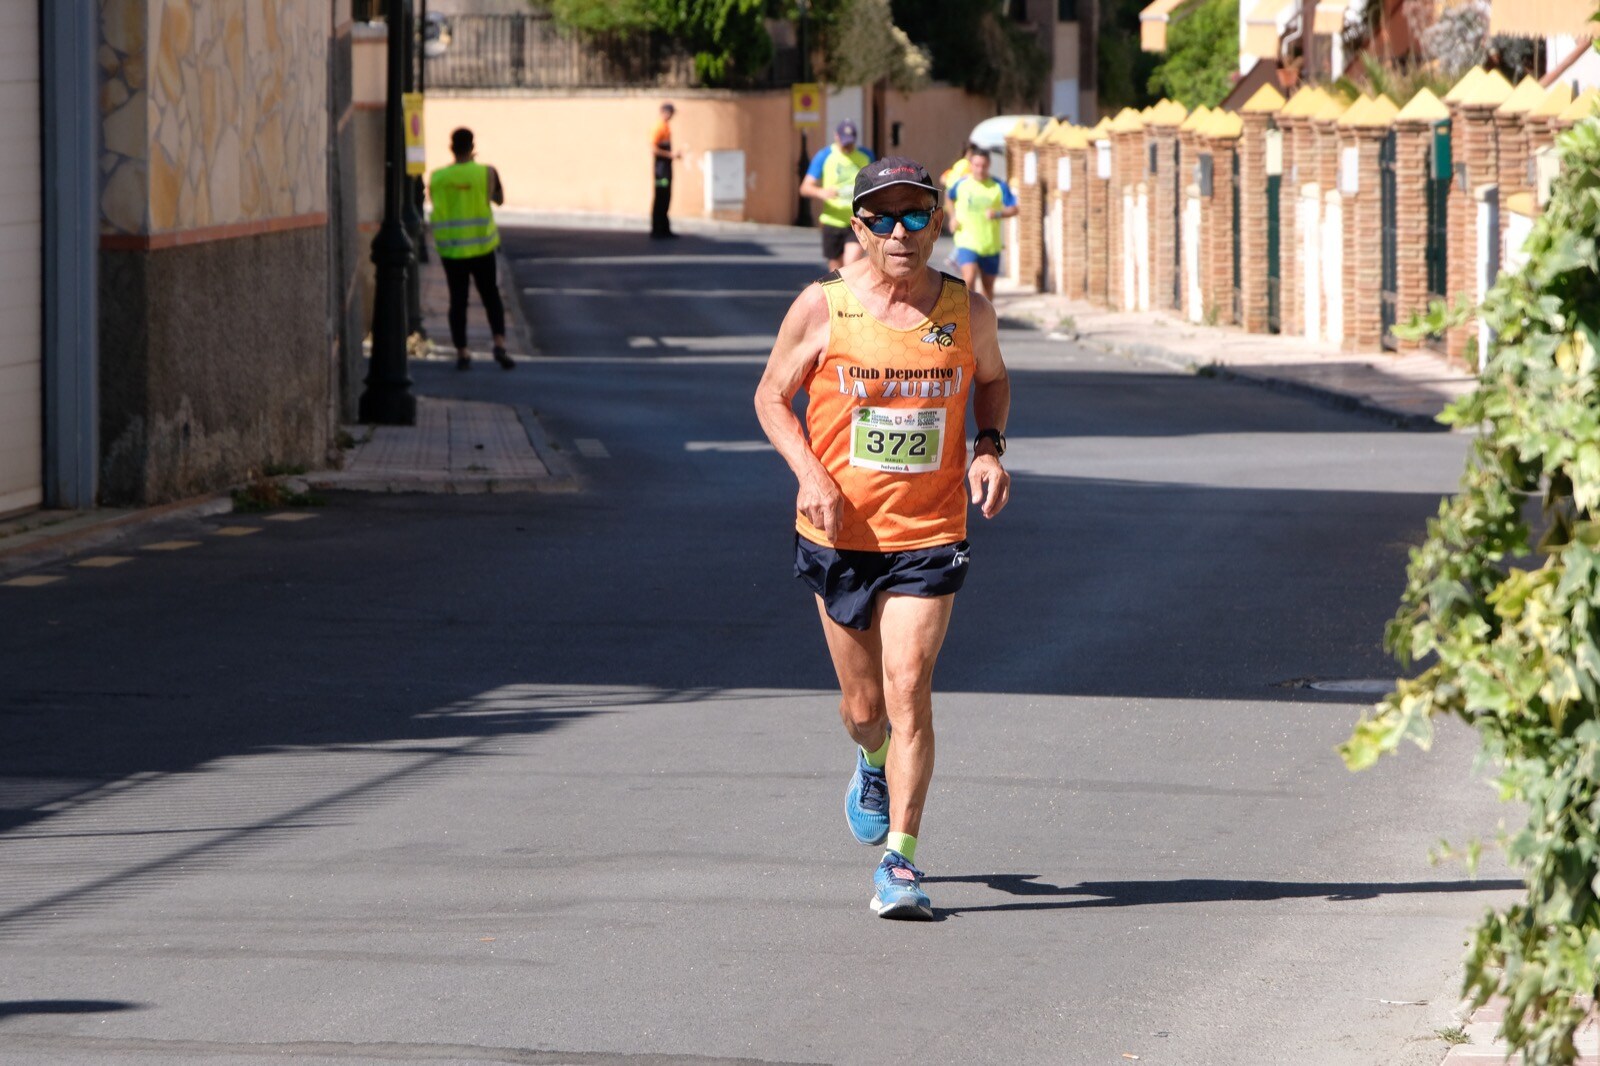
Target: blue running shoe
x: 866, y: 803
x: 898, y: 890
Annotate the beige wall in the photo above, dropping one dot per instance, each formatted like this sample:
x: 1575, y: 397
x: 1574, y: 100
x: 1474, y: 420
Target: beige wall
x: 21, y: 297
x: 934, y: 124
x: 215, y: 113
x: 591, y: 152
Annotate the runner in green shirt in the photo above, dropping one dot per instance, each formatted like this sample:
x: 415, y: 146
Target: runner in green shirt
x: 979, y: 202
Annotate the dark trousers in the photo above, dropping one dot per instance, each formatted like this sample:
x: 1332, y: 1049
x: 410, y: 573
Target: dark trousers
x: 658, y: 210
x: 480, y: 271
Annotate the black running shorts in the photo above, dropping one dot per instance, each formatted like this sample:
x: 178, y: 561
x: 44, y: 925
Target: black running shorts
x: 834, y: 238
x: 849, y: 581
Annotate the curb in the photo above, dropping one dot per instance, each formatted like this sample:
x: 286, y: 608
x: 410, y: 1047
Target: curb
x: 1343, y: 401
x: 533, y: 218
x: 112, y: 529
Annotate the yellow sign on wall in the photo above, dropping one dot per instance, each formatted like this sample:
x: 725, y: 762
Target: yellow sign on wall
x: 416, y: 157
x: 806, y: 100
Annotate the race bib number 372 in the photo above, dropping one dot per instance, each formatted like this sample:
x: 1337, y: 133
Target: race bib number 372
x: 900, y: 440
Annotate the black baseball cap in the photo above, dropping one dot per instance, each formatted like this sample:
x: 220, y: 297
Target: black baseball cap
x: 891, y: 170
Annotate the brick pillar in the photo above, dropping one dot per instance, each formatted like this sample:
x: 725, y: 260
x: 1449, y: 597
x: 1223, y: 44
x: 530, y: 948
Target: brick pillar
x: 1127, y: 164
x: 1074, y: 219
x: 1219, y: 218
x: 1190, y: 144
x: 1167, y: 183
x: 1363, y: 244
x: 1473, y: 148
x: 1298, y: 169
x: 1097, y: 226
x: 1252, y: 149
x: 1543, y: 118
x: 1413, y: 143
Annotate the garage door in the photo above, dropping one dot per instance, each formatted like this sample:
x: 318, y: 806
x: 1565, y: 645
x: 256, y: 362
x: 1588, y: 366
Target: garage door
x: 21, y: 299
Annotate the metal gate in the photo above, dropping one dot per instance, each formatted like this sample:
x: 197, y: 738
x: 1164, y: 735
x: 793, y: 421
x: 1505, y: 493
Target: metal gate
x: 1438, y: 246
x: 1238, y: 282
x: 1389, y: 239
x: 1274, y: 257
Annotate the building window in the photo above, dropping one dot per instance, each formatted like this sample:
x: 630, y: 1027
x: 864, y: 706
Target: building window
x: 1018, y: 10
x: 1066, y: 10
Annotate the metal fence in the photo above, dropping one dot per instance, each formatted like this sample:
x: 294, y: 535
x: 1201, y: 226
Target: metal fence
x: 532, y: 52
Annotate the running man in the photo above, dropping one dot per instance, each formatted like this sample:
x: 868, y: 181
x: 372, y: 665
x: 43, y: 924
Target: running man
x: 829, y: 178
x: 464, y: 232
x: 888, y: 352
x: 979, y: 203
x: 663, y: 155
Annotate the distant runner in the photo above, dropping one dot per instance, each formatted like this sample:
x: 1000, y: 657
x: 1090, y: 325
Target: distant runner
x: 464, y: 232
x: 662, y: 155
x: 888, y: 352
x: 979, y: 203
x: 829, y: 178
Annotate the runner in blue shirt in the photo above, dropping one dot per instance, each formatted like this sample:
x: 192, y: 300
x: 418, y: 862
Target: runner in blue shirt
x: 831, y: 178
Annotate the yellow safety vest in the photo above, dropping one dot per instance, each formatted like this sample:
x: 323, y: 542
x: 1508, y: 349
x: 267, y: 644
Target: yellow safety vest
x: 839, y: 172
x: 462, y: 216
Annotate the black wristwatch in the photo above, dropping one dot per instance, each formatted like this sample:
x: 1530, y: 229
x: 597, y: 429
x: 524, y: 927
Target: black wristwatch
x: 994, y: 435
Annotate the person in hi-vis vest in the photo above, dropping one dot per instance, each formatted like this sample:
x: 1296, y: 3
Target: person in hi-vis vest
x: 463, y: 195
x: 830, y: 179
x: 979, y: 202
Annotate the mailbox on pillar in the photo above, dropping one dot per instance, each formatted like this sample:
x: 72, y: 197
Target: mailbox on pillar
x: 1273, y: 155
x: 1439, y: 158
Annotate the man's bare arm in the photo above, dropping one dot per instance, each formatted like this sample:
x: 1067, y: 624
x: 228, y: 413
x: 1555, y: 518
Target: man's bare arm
x: 802, y: 339
x: 813, y: 189
x: 991, y: 406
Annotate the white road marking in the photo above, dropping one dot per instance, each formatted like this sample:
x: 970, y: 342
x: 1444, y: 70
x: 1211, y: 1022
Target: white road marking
x: 1365, y: 686
x: 101, y: 562
x: 727, y: 446
x: 590, y: 448
x: 171, y: 545
x: 31, y: 581
x: 289, y: 516
x: 237, y: 531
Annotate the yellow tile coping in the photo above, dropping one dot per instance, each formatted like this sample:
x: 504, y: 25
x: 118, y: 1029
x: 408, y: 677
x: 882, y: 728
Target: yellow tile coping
x: 1127, y: 121
x: 1522, y: 203
x: 1555, y: 101
x: 1423, y: 107
x: 1073, y: 138
x: 1024, y: 130
x: 1370, y: 113
x: 1582, y: 106
x: 1266, y: 100
x: 1197, y: 118
x: 1524, y: 98
x: 1305, y: 102
x: 1491, y: 90
x: 1331, y: 108
x: 1464, y: 86
x: 1168, y: 113
x: 1224, y: 125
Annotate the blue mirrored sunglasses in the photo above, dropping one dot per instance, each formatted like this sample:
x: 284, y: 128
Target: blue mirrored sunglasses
x: 883, y: 225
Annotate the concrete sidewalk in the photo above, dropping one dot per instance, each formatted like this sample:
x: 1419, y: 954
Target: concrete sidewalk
x: 457, y: 446
x: 1410, y: 389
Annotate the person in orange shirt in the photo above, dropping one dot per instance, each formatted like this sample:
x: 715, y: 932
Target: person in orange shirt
x: 663, y: 155
x: 889, y: 352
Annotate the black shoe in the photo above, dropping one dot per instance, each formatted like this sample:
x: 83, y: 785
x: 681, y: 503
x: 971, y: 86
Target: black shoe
x: 463, y: 362
x: 503, y: 359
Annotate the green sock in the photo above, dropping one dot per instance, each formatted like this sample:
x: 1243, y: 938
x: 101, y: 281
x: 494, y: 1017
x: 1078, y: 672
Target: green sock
x: 904, y: 843
x: 876, y: 759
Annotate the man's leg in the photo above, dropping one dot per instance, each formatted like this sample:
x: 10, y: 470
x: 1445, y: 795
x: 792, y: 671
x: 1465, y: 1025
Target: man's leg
x: 970, y: 274
x: 458, y: 278
x: 988, y: 284
x: 659, y: 224
x: 485, y: 269
x: 911, y: 630
x: 858, y: 661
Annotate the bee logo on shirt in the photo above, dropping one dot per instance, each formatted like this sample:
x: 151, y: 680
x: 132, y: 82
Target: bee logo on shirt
x: 944, y: 336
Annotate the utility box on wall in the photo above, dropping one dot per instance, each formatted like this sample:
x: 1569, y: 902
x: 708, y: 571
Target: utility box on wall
x: 725, y: 184
x: 1439, y: 159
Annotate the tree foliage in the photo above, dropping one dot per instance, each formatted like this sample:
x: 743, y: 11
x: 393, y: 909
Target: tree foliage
x: 1123, y: 67
x: 975, y: 45
x: 865, y: 46
x: 1202, y: 55
x: 1513, y: 622
x: 728, y: 38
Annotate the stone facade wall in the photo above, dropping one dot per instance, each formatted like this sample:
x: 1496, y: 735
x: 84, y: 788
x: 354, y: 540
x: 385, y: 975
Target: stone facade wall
x: 1097, y: 229
x: 1253, y: 218
x: 1166, y: 184
x: 1363, y: 256
x: 1218, y: 258
x: 1413, y: 142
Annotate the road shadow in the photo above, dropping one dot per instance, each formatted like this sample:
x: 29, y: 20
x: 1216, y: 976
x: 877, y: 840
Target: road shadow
x: 1037, y: 895
x: 21, y: 1008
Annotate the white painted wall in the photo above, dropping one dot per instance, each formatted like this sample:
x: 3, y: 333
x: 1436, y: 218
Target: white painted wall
x: 21, y: 294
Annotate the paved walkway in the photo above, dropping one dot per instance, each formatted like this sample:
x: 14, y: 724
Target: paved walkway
x: 456, y: 446
x: 1411, y: 389
x: 1482, y: 1048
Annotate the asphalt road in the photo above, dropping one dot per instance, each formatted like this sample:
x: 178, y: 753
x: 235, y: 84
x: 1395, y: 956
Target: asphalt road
x: 558, y: 779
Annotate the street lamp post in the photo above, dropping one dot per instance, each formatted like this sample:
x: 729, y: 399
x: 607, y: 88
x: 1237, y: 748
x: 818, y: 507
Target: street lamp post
x: 802, y: 214
x: 410, y: 215
x: 387, y: 399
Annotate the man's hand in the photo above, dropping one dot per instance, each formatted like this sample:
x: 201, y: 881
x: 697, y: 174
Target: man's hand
x: 821, y: 502
x: 990, y: 484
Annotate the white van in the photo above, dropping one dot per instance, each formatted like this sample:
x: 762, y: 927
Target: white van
x: 991, y: 134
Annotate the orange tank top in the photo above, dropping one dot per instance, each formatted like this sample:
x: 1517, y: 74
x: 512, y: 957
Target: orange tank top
x: 886, y: 414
